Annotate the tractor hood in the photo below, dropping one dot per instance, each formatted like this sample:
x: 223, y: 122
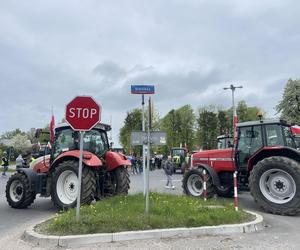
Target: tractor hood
x: 216, y: 158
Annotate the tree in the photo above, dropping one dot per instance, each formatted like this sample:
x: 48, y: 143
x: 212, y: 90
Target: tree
x: 245, y: 113
x: 207, y: 128
x: 132, y: 122
x: 21, y: 144
x: 289, y: 105
x: 224, y: 122
x: 11, y: 134
x: 179, y: 125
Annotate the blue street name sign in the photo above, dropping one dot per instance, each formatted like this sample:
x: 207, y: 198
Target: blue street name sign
x: 142, y: 89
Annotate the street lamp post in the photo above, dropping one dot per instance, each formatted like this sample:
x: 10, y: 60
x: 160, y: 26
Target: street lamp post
x: 232, y: 88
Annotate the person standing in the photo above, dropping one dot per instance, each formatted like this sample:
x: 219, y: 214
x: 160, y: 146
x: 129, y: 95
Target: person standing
x: 169, y: 170
x: 20, y: 162
x: 5, y: 163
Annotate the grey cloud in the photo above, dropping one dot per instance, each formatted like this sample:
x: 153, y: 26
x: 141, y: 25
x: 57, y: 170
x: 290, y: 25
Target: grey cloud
x: 109, y: 70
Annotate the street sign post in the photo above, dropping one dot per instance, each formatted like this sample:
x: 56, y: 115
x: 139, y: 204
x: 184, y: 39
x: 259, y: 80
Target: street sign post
x: 82, y: 114
x: 143, y: 90
x: 157, y: 138
x: 149, y: 138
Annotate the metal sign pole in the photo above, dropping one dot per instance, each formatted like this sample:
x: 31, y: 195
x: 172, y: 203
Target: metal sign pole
x: 79, y: 177
x: 148, y: 160
x: 143, y: 129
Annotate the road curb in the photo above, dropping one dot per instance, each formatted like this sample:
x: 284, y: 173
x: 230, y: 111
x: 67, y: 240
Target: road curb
x: 78, y: 240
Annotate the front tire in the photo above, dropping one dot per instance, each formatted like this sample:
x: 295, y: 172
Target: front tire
x: 275, y: 185
x: 192, y: 183
x: 18, y: 191
x: 64, y: 188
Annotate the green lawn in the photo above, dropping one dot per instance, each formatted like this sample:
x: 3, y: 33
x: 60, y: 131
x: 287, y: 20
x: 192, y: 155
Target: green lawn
x: 9, y: 169
x: 125, y: 213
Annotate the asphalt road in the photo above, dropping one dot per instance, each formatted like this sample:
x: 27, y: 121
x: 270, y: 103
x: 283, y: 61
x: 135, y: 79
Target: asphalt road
x: 281, y: 232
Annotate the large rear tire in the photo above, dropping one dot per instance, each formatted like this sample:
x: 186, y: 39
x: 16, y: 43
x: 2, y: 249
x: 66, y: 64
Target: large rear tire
x: 275, y: 185
x: 64, y: 188
x: 18, y: 191
x: 192, y: 183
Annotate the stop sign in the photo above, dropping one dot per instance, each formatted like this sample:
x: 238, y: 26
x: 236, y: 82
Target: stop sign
x: 83, y: 113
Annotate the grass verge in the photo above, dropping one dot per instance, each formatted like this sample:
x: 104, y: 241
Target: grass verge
x: 9, y: 170
x: 126, y: 213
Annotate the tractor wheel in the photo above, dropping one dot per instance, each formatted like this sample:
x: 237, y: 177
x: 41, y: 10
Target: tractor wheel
x: 18, y: 191
x: 275, y: 185
x: 192, y: 183
x: 64, y: 186
x: 225, y: 191
x: 118, y: 182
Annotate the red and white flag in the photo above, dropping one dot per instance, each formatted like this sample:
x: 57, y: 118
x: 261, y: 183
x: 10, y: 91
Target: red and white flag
x: 52, y: 132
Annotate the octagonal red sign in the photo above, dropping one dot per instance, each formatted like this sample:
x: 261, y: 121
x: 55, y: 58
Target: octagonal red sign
x: 83, y: 113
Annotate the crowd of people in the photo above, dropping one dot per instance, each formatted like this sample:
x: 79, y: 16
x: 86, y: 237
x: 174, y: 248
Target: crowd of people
x: 137, y: 163
x: 21, y: 162
x: 155, y: 162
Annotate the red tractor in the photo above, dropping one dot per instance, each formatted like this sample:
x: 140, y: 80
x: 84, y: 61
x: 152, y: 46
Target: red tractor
x: 267, y: 163
x: 104, y: 172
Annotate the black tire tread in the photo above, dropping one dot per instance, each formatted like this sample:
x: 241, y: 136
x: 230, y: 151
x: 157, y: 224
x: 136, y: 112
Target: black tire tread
x: 118, y: 182
x: 123, y: 181
x: 29, y: 194
x: 254, y: 185
x: 228, y: 193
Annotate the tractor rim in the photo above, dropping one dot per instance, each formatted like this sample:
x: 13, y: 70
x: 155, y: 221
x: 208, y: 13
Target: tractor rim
x: 16, y: 190
x: 195, y: 185
x: 277, y: 186
x: 67, y: 187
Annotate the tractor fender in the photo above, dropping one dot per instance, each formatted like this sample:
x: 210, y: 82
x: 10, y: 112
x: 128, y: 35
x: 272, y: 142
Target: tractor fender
x: 31, y: 175
x: 88, y: 159
x: 214, y: 176
x: 114, y: 160
x: 266, y: 152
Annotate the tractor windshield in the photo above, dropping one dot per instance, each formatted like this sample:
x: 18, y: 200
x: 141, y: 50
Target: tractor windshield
x: 178, y: 152
x: 94, y: 141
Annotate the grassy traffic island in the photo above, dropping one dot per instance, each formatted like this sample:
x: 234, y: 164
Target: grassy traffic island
x: 126, y: 213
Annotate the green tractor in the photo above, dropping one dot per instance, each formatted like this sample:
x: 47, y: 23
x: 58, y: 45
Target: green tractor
x: 179, y: 159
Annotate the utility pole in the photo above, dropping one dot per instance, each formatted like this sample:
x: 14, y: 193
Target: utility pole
x: 232, y: 88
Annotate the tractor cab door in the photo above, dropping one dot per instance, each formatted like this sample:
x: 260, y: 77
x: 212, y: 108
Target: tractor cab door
x: 249, y: 141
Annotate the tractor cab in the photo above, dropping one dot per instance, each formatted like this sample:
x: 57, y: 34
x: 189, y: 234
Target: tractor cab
x: 95, y: 141
x: 179, y: 158
x: 268, y: 134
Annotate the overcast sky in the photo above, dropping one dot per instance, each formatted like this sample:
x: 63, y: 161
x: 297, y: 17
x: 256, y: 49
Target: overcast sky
x: 51, y: 51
